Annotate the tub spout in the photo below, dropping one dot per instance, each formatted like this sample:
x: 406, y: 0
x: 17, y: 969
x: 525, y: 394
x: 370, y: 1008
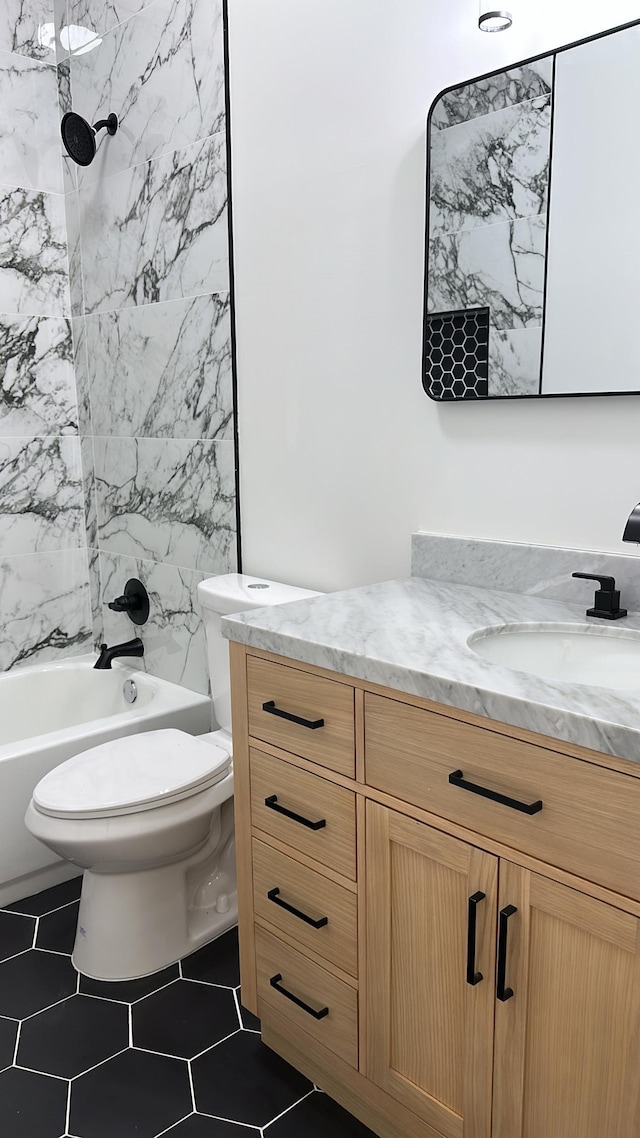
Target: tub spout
x: 133, y: 647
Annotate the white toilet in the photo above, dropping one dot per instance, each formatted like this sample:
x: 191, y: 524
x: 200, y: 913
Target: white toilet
x: 150, y: 820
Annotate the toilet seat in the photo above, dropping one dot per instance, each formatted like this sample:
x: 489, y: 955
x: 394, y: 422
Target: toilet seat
x: 132, y: 774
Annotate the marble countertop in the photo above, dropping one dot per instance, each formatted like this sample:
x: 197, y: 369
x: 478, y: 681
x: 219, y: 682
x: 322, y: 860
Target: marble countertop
x: 412, y: 635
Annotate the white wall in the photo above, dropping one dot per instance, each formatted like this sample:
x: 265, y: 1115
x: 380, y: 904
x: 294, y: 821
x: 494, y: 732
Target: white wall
x: 342, y: 454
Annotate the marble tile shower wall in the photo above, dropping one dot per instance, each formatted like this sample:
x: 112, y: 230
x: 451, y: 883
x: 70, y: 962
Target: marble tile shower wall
x: 490, y: 146
x: 149, y: 274
x: 44, y: 583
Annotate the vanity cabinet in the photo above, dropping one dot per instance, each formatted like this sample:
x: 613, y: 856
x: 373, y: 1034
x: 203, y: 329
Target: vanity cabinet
x: 439, y: 915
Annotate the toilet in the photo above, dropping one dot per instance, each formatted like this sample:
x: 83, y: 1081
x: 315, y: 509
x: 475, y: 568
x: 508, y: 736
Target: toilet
x: 149, y: 818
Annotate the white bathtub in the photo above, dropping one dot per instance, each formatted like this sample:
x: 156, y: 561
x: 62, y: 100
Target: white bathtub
x: 49, y: 712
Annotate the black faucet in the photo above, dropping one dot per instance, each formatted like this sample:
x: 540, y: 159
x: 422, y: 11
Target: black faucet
x: 606, y: 603
x: 133, y: 647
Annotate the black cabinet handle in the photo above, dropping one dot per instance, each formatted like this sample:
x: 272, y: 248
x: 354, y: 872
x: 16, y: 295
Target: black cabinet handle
x: 274, y: 895
x: 272, y: 803
x: 312, y: 724
x: 456, y: 778
x: 275, y: 983
x: 473, y: 977
x: 503, y: 993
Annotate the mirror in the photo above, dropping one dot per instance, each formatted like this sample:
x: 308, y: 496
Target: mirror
x: 533, y: 228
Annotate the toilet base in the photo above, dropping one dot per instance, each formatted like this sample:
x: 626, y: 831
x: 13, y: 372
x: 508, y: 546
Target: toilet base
x: 133, y: 924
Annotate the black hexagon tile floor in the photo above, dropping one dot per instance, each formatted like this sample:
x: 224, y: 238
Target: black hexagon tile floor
x: 172, y: 1054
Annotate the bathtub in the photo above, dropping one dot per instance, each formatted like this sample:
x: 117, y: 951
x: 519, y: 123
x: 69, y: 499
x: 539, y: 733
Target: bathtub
x: 49, y: 712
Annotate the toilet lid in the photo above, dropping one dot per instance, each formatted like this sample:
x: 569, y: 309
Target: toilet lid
x: 134, y: 773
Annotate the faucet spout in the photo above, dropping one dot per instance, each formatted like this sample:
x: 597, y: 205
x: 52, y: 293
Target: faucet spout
x: 133, y: 647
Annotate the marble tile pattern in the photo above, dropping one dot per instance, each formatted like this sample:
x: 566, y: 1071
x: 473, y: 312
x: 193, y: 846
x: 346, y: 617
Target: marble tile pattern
x: 482, y: 96
x: 412, y: 635
x: 44, y: 607
x: 81, y: 367
x: 33, y: 253
x: 37, y: 390
x: 41, y: 506
x: 500, y: 267
x: 175, y: 357
x: 89, y: 491
x: 29, y: 147
x: 536, y: 570
x: 515, y: 358
x: 490, y: 169
x: 170, y: 500
x: 74, y: 248
x: 163, y: 74
x: 103, y: 15
x: 20, y: 24
x: 158, y: 231
x: 174, y: 637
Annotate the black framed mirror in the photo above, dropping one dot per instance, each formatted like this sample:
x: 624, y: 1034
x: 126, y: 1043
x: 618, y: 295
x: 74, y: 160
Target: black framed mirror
x: 532, y: 283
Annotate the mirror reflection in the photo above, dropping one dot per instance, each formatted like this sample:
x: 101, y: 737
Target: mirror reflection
x: 533, y: 232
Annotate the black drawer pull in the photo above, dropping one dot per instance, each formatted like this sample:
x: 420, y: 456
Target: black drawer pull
x: 312, y: 724
x: 456, y: 778
x: 503, y: 993
x: 473, y: 977
x: 274, y: 895
x: 275, y: 983
x: 272, y: 803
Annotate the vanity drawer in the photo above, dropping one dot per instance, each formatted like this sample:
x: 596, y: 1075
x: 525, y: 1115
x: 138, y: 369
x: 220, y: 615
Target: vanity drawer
x: 326, y: 707
x: 317, y: 989
x: 588, y: 824
x: 312, y: 896
x: 277, y: 786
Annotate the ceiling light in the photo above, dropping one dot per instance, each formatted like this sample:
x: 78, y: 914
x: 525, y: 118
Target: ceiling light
x: 493, y: 19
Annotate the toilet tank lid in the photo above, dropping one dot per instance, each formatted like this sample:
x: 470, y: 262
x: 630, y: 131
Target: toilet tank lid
x: 141, y: 771
x: 236, y: 592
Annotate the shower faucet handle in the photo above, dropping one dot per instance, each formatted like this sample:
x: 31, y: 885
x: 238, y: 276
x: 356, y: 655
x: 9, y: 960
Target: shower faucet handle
x: 134, y: 601
x: 606, y: 604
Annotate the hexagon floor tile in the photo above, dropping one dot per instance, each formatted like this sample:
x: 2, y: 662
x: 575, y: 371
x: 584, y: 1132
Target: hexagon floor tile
x: 73, y: 1036
x: 244, y: 1081
x: 167, y: 1055
x: 184, y: 1019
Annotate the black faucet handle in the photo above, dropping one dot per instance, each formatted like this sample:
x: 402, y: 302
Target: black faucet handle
x: 134, y: 601
x: 606, y: 603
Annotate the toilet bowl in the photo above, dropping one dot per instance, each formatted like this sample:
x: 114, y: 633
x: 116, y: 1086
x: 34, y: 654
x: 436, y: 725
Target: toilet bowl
x: 149, y: 818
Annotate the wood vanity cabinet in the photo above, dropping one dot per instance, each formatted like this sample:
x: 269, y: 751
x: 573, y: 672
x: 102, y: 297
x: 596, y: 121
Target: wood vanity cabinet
x: 439, y: 915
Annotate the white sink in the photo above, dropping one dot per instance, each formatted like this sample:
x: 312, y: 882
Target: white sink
x: 577, y: 654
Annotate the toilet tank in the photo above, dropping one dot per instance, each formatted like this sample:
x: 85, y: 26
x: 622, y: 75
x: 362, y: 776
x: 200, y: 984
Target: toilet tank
x: 220, y: 596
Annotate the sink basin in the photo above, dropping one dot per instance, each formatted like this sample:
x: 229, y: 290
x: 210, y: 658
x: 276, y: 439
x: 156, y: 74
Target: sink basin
x: 577, y: 654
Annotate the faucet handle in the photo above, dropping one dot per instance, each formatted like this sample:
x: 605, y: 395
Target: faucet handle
x: 134, y: 601
x: 606, y: 604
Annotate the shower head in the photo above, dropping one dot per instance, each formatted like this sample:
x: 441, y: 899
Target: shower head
x: 79, y: 137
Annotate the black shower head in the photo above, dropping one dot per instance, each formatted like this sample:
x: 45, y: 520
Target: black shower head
x: 79, y: 137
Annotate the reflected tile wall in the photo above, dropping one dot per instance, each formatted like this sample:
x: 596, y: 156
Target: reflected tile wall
x: 44, y: 607
x: 493, y: 93
x: 33, y: 253
x: 174, y: 637
x: 514, y: 361
x: 176, y: 357
x: 499, y: 266
x: 490, y: 169
x: 37, y: 389
x: 172, y: 46
x: 170, y: 500
x: 158, y: 231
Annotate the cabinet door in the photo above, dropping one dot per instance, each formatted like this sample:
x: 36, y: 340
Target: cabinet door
x: 567, y: 1058
x: 429, y: 1028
